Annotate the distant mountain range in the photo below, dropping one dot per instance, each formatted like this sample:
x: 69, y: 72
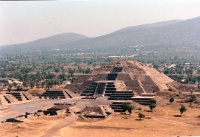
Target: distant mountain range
x: 169, y: 33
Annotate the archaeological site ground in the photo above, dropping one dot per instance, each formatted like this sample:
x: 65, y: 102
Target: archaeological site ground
x: 119, y: 99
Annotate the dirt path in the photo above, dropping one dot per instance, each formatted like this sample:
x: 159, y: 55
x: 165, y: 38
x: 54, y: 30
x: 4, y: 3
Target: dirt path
x: 61, y: 124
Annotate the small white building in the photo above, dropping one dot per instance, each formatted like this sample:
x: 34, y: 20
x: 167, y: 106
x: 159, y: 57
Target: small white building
x: 66, y: 82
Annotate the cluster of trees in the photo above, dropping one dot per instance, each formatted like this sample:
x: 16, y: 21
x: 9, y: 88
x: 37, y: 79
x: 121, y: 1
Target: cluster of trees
x: 50, y: 75
x: 32, y: 67
x: 45, y: 65
x: 15, y: 85
x: 79, y: 70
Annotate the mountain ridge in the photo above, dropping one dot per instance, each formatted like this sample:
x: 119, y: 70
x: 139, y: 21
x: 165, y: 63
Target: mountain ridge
x: 54, y: 39
x: 174, y: 32
x: 149, y: 25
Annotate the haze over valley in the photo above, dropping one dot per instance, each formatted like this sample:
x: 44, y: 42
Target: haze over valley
x: 96, y: 67
x: 164, y: 40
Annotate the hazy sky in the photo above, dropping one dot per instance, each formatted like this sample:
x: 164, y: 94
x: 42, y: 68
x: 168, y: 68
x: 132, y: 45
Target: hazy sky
x: 26, y: 21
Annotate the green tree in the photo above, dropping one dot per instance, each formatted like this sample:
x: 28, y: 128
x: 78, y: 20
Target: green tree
x: 140, y: 115
x: 71, y: 71
x: 48, y: 86
x: 182, y: 109
x: 127, y: 107
x: 80, y: 69
x: 56, y: 70
x: 32, y: 84
x: 170, y: 89
x: 25, y: 84
x: 87, y: 70
x: 192, y: 96
x: 43, y: 83
x: 171, y: 100
x: 153, y: 101
x: 3, y: 74
x: 50, y: 76
x: 62, y: 76
x: 152, y: 106
x: 15, y: 84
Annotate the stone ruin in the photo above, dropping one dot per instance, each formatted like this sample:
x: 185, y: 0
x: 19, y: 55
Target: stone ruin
x: 56, y: 94
x: 58, y: 109
x: 14, y: 96
x: 121, y: 80
x: 94, y: 112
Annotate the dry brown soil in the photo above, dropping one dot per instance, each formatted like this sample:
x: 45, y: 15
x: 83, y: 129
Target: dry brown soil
x: 164, y: 121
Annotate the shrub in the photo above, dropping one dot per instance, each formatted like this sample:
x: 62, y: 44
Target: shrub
x: 182, y: 109
x: 126, y: 106
x: 140, y: 115
x: 153, y: 101
x: 170, y: 89
x: 152, y: 106
x: 171, y: 100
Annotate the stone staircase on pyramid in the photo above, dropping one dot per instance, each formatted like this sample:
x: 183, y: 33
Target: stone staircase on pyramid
x: 56, y: 94
x: 117, y: 106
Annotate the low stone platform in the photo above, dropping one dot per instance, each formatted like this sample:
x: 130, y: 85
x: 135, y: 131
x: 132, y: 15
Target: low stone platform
x: 14, y: 96
x: 117, y: 106
x: 94, y: 112
x: 56, y: 94
x: 142, y: 100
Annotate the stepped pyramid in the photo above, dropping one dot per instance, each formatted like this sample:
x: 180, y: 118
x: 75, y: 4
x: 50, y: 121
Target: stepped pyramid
x: 14, y: 96
x: 120, y: 80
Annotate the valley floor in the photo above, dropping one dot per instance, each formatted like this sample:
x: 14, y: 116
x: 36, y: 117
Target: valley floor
x: 164, y: 121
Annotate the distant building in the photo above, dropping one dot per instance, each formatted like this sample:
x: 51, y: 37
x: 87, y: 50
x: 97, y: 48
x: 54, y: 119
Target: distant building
x: 170, y: 66
x: 66, y: 82
x: 183, y: 81
x: 187, y: 63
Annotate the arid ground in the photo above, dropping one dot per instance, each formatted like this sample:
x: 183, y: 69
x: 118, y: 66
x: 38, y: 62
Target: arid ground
x: 164, y: 121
